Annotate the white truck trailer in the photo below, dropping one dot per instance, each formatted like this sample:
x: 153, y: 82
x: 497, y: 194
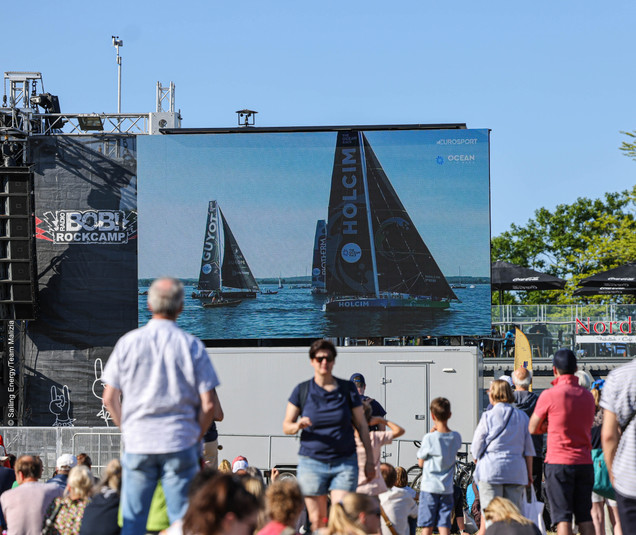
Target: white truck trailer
x: 256, y: 384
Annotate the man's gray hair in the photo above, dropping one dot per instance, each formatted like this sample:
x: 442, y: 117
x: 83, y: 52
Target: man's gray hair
x: 165, y: 297
x: 522, y: 383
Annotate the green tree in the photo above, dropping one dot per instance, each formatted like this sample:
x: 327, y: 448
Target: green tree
x: 629, y: 147
x: 573, y: 241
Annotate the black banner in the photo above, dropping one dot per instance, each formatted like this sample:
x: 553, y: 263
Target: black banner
x: 86, y: 248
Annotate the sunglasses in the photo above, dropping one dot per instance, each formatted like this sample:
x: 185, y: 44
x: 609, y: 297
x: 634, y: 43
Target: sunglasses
x: 320, y: 359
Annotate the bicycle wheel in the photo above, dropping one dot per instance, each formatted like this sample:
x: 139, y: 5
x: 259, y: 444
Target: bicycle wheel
x: 413, y: 473
x: 416, y: 485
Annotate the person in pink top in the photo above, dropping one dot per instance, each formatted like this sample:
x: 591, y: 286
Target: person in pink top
x: 375, y: 486
x: 566, y: 413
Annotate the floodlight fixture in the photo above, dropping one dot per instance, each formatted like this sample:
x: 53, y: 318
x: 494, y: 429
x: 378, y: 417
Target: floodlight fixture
x: 90, y: 122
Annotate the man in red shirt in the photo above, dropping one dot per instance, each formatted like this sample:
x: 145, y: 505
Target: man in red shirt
x: 566, y: 413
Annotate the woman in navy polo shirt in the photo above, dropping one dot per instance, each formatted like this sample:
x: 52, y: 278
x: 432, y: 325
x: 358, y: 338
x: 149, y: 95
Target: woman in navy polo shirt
x: 325, y: 409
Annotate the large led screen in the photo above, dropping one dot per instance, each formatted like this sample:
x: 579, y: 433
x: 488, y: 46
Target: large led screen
x: 342, y: 233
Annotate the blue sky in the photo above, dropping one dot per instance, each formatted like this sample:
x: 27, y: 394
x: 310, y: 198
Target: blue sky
x: 553, y: 80
x: 273, y: 187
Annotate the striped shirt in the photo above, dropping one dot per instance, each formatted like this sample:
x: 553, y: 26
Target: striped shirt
x: 619, y: 397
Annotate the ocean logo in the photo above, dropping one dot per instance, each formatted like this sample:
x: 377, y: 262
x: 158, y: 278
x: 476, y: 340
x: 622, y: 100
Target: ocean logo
x: 439, y: 160
x: 207, y: 269
x: 109, y: 227
x: 465, y: 158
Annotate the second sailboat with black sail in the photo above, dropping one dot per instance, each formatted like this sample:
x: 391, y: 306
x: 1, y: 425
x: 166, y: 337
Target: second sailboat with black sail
x: 376, y: 258
x: 225, y: 277
x: 319, y: 263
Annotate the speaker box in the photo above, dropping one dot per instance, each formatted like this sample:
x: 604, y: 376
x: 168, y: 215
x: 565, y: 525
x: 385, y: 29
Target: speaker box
x: 17, y: 244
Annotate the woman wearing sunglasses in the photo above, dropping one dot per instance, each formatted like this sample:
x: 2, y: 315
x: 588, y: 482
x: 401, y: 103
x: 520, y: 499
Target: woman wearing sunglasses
x: 325, y: 409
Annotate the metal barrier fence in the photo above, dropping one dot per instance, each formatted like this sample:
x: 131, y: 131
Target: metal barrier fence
x: 104, y: 443
x: 101, y: 443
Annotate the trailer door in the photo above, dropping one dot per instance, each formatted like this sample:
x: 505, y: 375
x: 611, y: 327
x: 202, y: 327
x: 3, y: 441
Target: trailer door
x: 406, y: 400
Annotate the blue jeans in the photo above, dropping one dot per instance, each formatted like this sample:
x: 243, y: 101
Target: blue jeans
x: 317, y: 478
x: 141, y: 473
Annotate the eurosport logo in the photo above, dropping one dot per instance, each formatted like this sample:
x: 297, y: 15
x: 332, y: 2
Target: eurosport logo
x: 459, y: 158
x: 104, y: 227
x: 469, y: 141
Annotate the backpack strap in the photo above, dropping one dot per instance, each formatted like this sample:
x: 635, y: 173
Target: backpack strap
x: 303, y: 391
x: 344, y: 385
x: 499, y: 433
x: 626, y: 425
x: 387, y: 521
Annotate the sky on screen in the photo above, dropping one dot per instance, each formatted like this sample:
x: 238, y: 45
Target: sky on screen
x: 273, y: 187
x: 554, y: 81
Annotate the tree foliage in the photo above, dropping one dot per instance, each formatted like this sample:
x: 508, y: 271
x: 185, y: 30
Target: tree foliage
x: 573, y: 241
x: 629, y: 147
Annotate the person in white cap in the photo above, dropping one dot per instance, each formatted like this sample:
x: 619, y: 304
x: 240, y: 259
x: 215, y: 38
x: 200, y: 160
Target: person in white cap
x: 239, y: 465
x: 508, y: 380
x: 63, y: 466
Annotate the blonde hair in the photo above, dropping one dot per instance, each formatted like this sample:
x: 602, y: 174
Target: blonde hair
x: 225, y: 467
x: 112, y: 475
x: 500, y: 392
x: 80, y: 481
x: 256, y: 487
x: 503, y: 510
x: 596, y: 393
x: 344, y: 516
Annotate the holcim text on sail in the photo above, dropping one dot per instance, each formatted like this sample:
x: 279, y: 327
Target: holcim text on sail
x: 349, y: 181
x: 604, y: 327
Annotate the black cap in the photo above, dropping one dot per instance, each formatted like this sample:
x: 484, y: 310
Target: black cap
x: 565, y: 361
x: 358, y: 378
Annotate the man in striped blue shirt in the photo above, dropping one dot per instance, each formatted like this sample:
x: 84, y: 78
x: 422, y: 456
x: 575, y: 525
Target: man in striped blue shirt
x: 619, y: 438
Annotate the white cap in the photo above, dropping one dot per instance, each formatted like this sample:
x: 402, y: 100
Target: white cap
x: 66, y: 460
x: 239, y: 463
x: 508, y: 380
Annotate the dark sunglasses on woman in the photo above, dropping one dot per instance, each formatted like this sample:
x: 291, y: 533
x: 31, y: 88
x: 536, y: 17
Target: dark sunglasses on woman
x: 320, y: 359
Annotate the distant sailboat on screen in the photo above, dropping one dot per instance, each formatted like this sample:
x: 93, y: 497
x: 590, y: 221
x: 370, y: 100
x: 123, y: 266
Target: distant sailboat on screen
x: 459, y: 284
x: 319, y: 262
x: 224, y: 271
x: 376, y: 259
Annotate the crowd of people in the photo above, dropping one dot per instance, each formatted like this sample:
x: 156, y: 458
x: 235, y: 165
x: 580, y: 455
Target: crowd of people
x: 160, y: 378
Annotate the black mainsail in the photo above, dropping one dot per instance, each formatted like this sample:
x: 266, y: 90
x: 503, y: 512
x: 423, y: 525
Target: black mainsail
x: 403, y: 260
x: 224, y: 270
x: 349, y: 256
x: 210, y: 274
x: 376, y: 258
x: 235, y: 273
x: 319, y: 261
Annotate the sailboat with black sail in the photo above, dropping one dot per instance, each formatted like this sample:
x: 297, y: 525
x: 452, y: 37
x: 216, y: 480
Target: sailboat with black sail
x: 319, y: 262
x: 224, y: 273
x: 376, y: 258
